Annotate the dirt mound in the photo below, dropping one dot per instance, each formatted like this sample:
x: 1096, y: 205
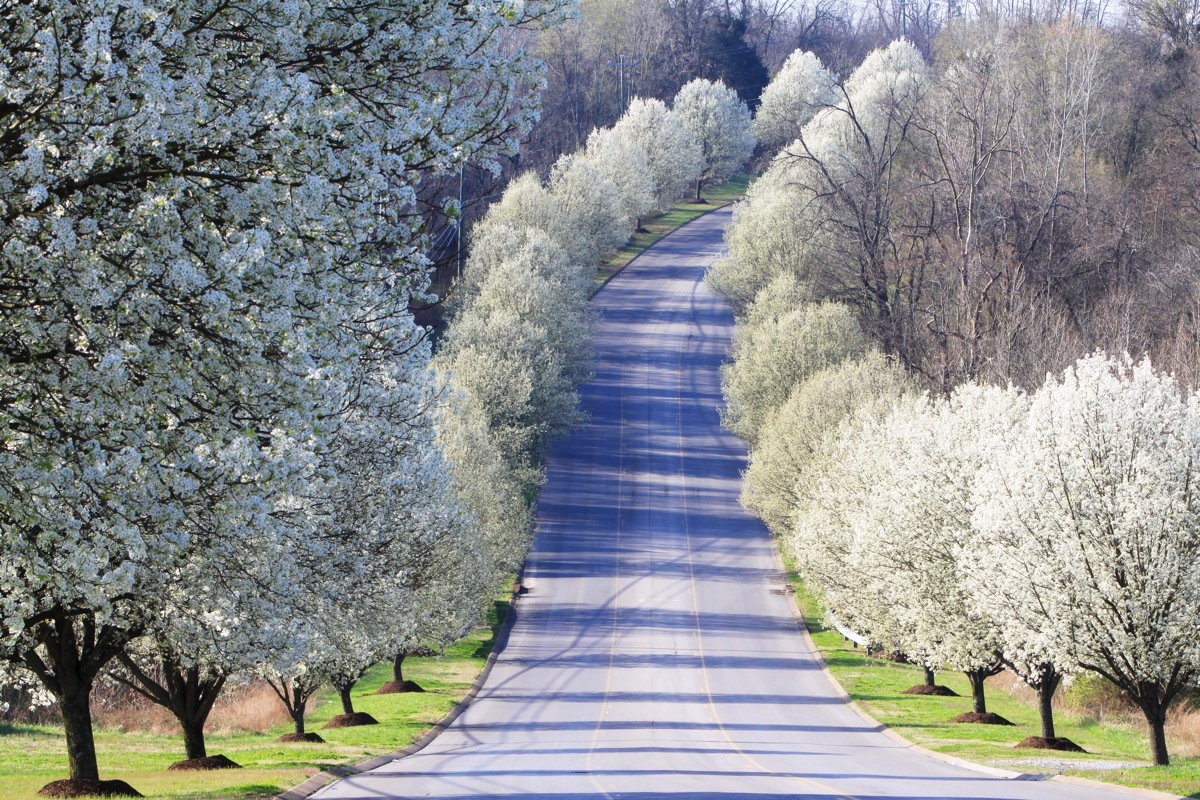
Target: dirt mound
x: 1053, y: 743
x: 351, y: 720
x: 935, y: 691
x: 291, y: 738
x: 208, y: 762
x: 981, y: 719
x: 393, y: 687
x: 83, y: 788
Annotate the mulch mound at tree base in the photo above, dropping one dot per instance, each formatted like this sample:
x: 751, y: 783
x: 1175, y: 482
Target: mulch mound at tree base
x: 351, y: 720
x: 394, y: 687
x: 289, y: 738
x: 83, y: 788
x: 936, y: 691
x: 1054, y: 743
x: 208, y: 762
x: 981, y: 719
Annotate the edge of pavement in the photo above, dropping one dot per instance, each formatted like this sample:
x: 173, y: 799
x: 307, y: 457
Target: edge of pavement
x: 323, y: 779
x: 996, y: 772
x: 623, y: 267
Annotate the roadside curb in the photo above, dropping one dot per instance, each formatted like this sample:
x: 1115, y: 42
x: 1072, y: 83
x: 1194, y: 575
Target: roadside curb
x: 323, y: 779
x: 995, y: 772
x: 623, y: 267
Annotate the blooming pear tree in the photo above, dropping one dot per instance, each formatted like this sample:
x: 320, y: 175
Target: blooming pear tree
x: 208, y: 232
x: 1092, y: 521
x: 720, y: 123
x: 773, y: 352
x: 521, y: 345
x: 823, y: 209
x: 674, y: 154
x: 627, y: 165
x: 903, y: 520
x: 800, y: 89
x: 795, y: 438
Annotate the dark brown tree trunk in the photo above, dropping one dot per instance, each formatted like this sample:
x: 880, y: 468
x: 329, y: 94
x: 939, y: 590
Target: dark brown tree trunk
x: 193, y: 739
x: 187, y: 692
x: 297, y: 715
x: 295, y: 695
x: 1156, y: 719
x: 699, y: 199
x: 398, y: 667
x: 978, y: 698
x: 343, y: 691
x: 75, y: 651
x: 1045, y: 690
x: 75, y: 706
x: 929, y: 676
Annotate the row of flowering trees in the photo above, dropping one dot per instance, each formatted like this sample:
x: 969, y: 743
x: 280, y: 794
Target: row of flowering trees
x: 222, y: 448
x: 518, y: 345
x: 225, y: 449
x: 1045, y: 531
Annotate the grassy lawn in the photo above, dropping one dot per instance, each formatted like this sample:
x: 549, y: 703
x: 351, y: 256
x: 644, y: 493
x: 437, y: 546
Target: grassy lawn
x: 31, y: 756
x: 655, y: 228
x: 1117, y: 750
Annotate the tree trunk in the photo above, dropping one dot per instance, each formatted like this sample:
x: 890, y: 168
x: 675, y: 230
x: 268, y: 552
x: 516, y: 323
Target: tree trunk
x: 193, y: 694
x: 193, y: 738
x: 343, y: 691
x: 929, y: 676
x: 75, y: 706
x: 73, y: 651
x: 297, y: 714
x: 1156, y: 719
x: 398, y: 667
x: 1051, y: 678
x: 699, y: 199
x: 977, y: 678
x: 187, y: 692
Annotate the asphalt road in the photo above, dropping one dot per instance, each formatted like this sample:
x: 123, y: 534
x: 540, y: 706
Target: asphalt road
x: 656, y: 654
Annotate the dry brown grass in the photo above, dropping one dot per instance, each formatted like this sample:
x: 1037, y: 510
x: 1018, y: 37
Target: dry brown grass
x: 1183, y: 729
x: 251, y: 707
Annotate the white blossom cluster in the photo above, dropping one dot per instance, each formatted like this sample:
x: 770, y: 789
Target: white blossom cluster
x: 217, y: 427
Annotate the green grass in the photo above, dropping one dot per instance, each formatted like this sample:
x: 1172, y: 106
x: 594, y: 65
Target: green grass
x: 33, y: 755
x: 877, y: 686
x: 683, y: 212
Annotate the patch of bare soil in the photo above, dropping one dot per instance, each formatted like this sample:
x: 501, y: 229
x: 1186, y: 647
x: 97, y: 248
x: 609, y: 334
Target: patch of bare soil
x: 981, y: 719
x: 394, y: 687
x: 934, y: 691
x: 208, y: 762
x: 1052, y: 743
x: 351, y: 720
x: 85, y: 788
x: 291, y: 738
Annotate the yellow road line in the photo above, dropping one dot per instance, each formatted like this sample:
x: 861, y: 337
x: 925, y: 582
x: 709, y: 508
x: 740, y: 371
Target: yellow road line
x: 806, y: 782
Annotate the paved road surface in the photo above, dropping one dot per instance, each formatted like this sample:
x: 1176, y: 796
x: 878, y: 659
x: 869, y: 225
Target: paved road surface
x: 655, y: 654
